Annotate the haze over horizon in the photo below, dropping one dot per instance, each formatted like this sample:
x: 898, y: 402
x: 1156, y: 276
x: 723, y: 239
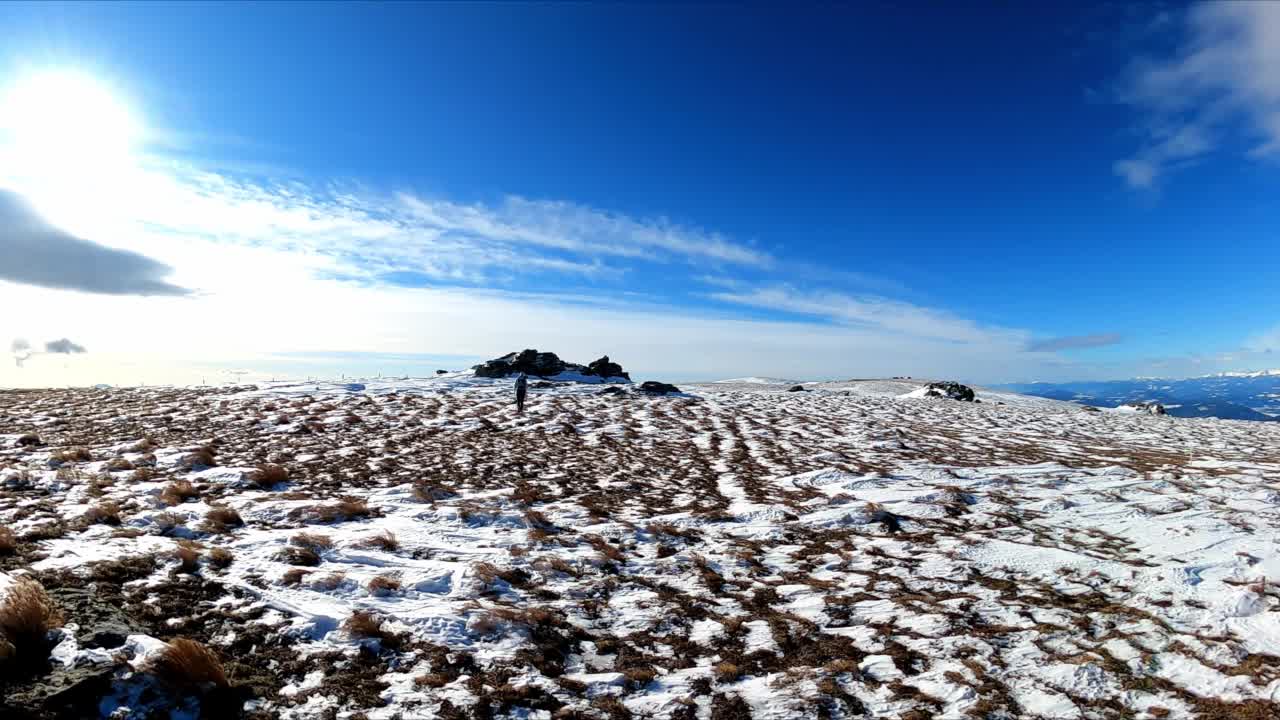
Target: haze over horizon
x: 1003, y: 194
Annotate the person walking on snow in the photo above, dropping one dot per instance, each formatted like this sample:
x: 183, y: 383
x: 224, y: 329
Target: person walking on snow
x: 522, y: 389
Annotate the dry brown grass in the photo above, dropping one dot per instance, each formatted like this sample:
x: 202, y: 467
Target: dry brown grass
x: 142, y: 474
x: 221, y: 558
x: 8, y: 541
x: 221, y: 519
x: 70, y: 455
x: 178, y: 492
x: 312, y: 541
x: 268, y: 476
x: 202, y: 457
x: 26, y: 617
x: 386, y: 540
x: 383, y: 585
x: 363, y: 624
x: 341, y: 511
x: 188, y: 666
x: 296, y: 555
x: 188, y: 556
x: 727, y: 672
x: 330, y: 582
x: 107, y: 513
x: 118, y: 465
x: 294, y: 576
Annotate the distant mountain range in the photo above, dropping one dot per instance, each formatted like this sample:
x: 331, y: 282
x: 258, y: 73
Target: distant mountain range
x: 1230, y: 396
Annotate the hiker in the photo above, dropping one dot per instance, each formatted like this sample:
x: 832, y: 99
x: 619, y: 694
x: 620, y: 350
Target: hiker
x: 522, y: 389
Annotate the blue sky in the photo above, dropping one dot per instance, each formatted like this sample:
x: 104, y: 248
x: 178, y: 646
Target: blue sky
x: 998, y: 193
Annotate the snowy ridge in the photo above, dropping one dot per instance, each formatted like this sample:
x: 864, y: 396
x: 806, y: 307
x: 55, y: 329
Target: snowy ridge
x: 840, y: 552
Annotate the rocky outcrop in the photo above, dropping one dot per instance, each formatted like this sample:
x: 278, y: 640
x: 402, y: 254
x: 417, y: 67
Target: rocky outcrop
x: 654, y: 387
x: 605, y: 368
x: 797, y: 388
x: 546, y: 364
x: 949, y: 389
x: 1150, y: 408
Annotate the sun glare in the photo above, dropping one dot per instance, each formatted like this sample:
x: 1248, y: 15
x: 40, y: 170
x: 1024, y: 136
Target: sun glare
x: 56, y: 125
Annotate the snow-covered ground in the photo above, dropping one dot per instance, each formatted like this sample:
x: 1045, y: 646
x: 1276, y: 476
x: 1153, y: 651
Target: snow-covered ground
x: 841, y: 552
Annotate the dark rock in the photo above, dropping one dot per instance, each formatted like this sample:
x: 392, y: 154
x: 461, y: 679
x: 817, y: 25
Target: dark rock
x: 546, y: 364
x: 107, y: 635
x: 1089, y: 408
x: 798, y: 388
x: 530, y: 362
x: 612, y: 390
x: 1151, y: 408
x: 952, y: 390
x: 29, y: 441
x: 442, y: 372
x: 65, y: 692
x: 606, y: 369
x: 656, y: 388
x: 544, y: 384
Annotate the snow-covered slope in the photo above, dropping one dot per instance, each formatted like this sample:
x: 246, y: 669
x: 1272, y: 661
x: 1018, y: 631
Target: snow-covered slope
x: 842, y: 552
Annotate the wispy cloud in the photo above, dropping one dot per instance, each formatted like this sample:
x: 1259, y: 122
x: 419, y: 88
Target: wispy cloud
x: 358, y: 234
x: 1074, y: 342
x: 873, y: 312
x: 1220, y: 85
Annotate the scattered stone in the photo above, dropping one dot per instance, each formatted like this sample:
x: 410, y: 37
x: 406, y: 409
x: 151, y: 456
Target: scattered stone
x: 30, y: 440
x: 612, y: 390
x: 656, y: 388
x: 949, y: 389
x: 442, y: 372
x: 1089, y: 408
x: 798, y: 388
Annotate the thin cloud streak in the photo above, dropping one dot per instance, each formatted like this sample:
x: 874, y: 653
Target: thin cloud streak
x: 1074, y: 342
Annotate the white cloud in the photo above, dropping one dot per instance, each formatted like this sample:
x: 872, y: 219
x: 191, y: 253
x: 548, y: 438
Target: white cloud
x: 1220, y: 84
x: 879, y: 314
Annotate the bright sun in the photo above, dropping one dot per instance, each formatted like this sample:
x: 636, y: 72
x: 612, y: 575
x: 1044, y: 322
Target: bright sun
x: 56, y: 125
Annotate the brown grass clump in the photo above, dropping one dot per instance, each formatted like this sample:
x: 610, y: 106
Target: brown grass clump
x: 386, y: 540
x: 188, y: 555
x: 343, y: 510
x: 220, y: 519
x: 178, y: 492
x: 268, y: 476
x: 188, y: 666
x: 142, y: 474
x: 727, y: 672
x: 312, y: 541
x: 330, y: 582
x: 363, y: 624
x: 26, y: 617
x: 118, y: 464
x: 71, y: 455
x: 294, y: 576
x: 295, y: 555
x: 107, y: 513
x: 383, y: 585
x: 200, y: 458
x: 428, y: 491
x: 8, y: 541
x: 221, y: 558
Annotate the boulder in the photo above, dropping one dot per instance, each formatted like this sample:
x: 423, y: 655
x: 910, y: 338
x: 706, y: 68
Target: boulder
x: 949, y: 389
x: 612, y: 390
x: 1150, y: 408
x: 442, y: 372
x: 530, y: 362
x: 544, y: 384
x: 605, y: 368
x: 797, y: 388
x: 656, y: 388
x: 1089, y: 408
